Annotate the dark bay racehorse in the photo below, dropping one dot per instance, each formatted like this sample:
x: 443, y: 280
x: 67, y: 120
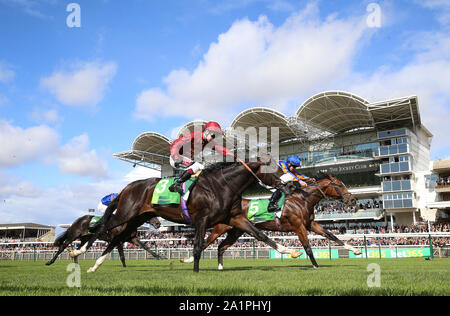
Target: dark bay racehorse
x: 215, y: 199
x: 297, y: 216
x: 79, y: 230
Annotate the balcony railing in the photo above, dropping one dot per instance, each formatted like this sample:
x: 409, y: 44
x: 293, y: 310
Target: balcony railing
x: 395, y: 167
x: 392, y: 150
x: 370, y: 213
x: 395, y: 186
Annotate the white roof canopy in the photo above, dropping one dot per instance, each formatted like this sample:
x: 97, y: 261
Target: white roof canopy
x: 325, y: 114
x: 149, y: 149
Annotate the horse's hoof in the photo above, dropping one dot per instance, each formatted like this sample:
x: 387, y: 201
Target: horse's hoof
x: 48, y: 263
x: 296, y: 254
x: 220, y: 267
x: 316, y: 267
x: 187, y: 260
x: 91, y: 270
x: 357, y: 253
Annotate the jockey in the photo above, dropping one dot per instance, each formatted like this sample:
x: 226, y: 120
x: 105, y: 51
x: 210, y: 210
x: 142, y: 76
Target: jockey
x: 189, y: 141
x: 290, y: 174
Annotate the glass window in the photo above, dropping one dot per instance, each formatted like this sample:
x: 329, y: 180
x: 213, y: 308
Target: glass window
x: 396, y: 186
x: 398, y: 204
x: 395, y: 167
x: 388, y: 204
x: 406, y: 185
x: 404, y: 166
x: 384, y: 150
x: 407, y: 203
x: 393, y: 150
x: 431, y: 181
x: 402, y: 148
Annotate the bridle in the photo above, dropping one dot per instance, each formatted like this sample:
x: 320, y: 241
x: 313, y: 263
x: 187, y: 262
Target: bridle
x: 336, y: 186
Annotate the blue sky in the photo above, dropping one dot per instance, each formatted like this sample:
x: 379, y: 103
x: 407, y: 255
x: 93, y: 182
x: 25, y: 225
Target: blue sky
x: 71, y: 97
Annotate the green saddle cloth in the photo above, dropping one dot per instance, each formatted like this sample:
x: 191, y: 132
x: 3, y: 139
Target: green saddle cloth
x: 163, y: 196
x: 94, y: 220
x: 257, y: 210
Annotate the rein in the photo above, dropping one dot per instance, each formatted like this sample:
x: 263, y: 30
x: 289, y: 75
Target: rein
x: 331, y: 184
x: 268, y: 187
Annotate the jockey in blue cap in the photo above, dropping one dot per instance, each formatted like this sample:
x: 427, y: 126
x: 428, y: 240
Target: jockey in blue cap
x: 290, y: 174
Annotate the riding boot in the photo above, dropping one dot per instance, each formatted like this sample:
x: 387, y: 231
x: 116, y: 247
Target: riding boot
x: 273, y: 203
x: 178, y: 185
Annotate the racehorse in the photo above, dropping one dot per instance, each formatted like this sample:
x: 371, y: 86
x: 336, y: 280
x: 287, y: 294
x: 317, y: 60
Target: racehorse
x: 79, y: 230
x: 215, y: 199
x: 297, y: 216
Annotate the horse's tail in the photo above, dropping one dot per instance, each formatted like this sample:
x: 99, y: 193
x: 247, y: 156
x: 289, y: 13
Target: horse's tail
x: 60, y: 239
x: 108, y: 212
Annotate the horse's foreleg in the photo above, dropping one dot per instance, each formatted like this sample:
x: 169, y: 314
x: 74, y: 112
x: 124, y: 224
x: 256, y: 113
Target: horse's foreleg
x: 315, y: 227
x: 242, y: 223
x: 303, y: 236
x: 217, y: 231
x: 200, y: 231
x: 60, y: 250
x: 75, y: 253
x: 121, y: 254
x: 114, y: 243
x: 232, y: 237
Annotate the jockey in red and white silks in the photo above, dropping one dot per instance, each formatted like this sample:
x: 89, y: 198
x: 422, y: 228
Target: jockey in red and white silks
x: 182, y: 152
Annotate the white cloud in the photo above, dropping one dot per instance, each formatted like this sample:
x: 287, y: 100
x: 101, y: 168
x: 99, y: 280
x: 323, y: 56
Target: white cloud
x: 84, y: 85
x: 32, y: 7
x: 255, y: 62
x: 56, y: 205
x: 42, y: 144
x: 62, y: 204
x: 45, y: 116
x: 20, y: 145
x: 76, y: 158
x: 427, y: 76
x: 10, y: 186
x: 141, y: 173
x: 442, y: 8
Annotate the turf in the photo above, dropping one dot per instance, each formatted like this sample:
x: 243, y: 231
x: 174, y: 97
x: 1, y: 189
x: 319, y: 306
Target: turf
x: 240, y: 278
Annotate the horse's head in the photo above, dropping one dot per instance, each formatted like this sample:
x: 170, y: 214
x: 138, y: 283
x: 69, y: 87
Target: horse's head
x: 154, y: 221
x: 335, y: 188
x: 269, y: 172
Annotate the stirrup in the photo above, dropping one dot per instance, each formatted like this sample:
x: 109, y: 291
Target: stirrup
x: 273, y: 208
x: 177, y: 187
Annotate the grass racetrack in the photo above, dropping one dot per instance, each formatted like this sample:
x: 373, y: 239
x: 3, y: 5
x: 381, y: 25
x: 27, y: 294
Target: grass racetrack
x: 241, y: 277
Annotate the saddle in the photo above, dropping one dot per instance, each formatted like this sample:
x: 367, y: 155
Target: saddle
x: 162, y: 196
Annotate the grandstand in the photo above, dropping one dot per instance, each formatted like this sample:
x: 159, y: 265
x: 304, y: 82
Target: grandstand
x: 26, y: 232
x: 381, y: 151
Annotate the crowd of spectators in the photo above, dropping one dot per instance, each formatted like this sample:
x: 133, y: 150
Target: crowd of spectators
x: 174, y: 240
x: 338, y: 207
x: 443, y: 181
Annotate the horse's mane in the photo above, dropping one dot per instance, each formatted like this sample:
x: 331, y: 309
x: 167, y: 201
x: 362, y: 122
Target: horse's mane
x: 321, y: 176
x: 218, y: 166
